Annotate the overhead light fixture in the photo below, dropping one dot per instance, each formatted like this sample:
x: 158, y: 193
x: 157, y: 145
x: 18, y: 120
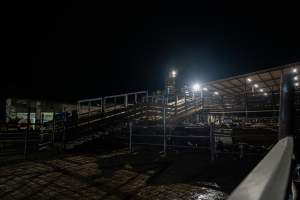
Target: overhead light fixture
x: 295, y: 70
x: 174, y: 73
x: 196, y: 87
x: 216, y: 93
x: 265, y: 94
x: 296, y: 84
x: 205, y: 89
x: 261, y: 90
x: 249, y: 80
x: 296, y: 78
x: 256, y: 85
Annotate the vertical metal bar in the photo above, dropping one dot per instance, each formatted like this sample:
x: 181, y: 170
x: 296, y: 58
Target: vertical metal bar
x: 287, y: 94
x: 146, y: 96
x: 103, y: 104
x: 164, y: 125
x: 130, y: 137
x: 64, y: 131
x: 89, y: 114
x: 126, y: 100
x: 212, y: 143
x: 184, y: 100
x: 176, y: 102
x: 27, y: 131
x: 78, y: 107
x: 53, y: 128
x: 245, y: 101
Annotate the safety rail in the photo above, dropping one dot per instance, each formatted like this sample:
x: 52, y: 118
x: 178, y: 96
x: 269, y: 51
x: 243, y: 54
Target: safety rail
x: 64, y: 128
x: 103, y: 103
x: 270, y: 179
x: 35, y: 137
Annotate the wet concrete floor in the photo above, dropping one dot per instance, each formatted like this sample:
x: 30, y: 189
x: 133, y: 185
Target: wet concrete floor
x: 119, y: 175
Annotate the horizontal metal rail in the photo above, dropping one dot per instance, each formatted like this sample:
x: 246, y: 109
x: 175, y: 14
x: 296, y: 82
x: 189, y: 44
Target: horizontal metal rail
x: 174, y: 136
x: 270, y: 178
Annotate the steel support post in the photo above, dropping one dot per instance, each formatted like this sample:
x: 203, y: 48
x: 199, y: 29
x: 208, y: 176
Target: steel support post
x: 89, y: 114
x: 65, y: 131
x: 104, y: 104
x: 176, y: 102
x: 164, y: 125
x: 27, y: 131
x: 78, y: 107
x: 53, y: 128
x: 126, y: 100
x: 212, y: 142
x: 146, y: 97
x: 245, y: 101
x: 287, y: 93
x: 130, y: 137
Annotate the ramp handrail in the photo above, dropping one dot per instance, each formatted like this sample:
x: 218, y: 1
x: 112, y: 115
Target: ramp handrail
x: 270, y: 178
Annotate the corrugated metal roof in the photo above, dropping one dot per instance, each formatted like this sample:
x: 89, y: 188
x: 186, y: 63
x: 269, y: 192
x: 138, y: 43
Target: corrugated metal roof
x: 267, y: 80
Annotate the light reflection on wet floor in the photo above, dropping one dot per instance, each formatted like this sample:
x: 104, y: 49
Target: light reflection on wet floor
x: 180, y: 191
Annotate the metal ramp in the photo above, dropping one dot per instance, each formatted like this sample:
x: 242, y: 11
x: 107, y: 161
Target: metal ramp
x: 98, y: 114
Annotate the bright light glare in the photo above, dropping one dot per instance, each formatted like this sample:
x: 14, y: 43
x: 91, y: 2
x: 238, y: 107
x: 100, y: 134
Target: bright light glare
x: 174, y: 73
x: 297, y: 84
x: 249, y: 80
x: 205, y: 89
x: 261, y: 90
x: 295, y: 70
x: 266, y: 94
x: 216, y: 93
x: 255, y: 85
x: 196, y: 87
x: 296, y: 78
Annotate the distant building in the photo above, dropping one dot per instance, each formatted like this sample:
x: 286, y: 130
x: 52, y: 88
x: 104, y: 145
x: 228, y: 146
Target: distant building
x: 40, y: 110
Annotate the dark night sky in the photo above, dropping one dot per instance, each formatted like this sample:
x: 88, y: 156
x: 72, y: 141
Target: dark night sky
x: 80, y: 49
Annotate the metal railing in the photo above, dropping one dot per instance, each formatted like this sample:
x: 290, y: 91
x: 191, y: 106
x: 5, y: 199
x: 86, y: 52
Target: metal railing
x: 270, y: 178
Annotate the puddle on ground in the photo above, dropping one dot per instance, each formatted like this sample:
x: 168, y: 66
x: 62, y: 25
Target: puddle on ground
x: 208, y: 194
x: 181, y: 191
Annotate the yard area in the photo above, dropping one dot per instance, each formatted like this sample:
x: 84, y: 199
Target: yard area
x: 119, y: 175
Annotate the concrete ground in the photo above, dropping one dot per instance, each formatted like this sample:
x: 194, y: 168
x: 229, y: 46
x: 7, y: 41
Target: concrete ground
x: 119, y: 176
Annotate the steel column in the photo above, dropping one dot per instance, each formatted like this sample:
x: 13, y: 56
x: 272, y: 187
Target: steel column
x: 212, y: 142
x: 287, y: 93
x: 164, y: 124
x: 130, y: 137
